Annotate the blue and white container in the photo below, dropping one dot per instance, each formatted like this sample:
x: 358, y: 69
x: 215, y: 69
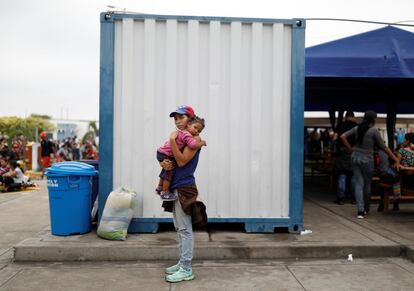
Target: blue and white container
x: 70, y: 189
x: 244, y: 76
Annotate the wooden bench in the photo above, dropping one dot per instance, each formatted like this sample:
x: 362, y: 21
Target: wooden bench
x: 376, y: 181
x: 325, y: 168
x: 407, y: 195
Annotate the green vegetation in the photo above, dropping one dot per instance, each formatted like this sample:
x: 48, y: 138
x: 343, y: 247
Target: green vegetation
x: 92, y: 132
x: 15, y: 126
x: 42, y: 116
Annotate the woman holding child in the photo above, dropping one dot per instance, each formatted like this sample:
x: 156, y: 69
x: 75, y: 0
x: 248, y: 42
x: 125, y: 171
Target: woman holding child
x: 187, y: 211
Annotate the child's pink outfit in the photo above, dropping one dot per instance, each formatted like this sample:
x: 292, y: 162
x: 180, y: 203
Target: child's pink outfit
x: 183, y: 139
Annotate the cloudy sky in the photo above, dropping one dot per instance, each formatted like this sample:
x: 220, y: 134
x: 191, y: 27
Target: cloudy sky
x: 49, y: 49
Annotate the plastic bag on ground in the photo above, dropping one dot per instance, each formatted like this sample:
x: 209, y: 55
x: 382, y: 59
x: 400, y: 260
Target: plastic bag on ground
x: 117, y: 214
x: 306, y: 231
x: 94, y: 210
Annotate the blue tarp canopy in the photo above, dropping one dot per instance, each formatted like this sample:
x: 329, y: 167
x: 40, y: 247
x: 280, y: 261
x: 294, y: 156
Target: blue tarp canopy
x: 371, y: 70
x: 382, y: 53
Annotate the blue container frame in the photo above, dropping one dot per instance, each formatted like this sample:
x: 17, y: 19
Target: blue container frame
x: 106, y: 117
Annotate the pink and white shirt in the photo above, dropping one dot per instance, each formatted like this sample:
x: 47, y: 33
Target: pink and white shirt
x: 183, y: 139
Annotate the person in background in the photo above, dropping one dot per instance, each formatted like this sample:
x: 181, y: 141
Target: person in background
x: 362, y: 158
x: 3, y: 148
x: 406, y: 157
x: 75, y: 149
x: 15, y: 178
x: 326, y: 140
x: 4, y: 169
x: 48, y: 151
x: 343, y: 165
x: 17, y: 151
x: 314, y: 146
x: 64, y: 153
x: 399, y: 137
x: 89, y: 151
x: 406, y: 154
x: 388, y: 174
x: 7, y: 153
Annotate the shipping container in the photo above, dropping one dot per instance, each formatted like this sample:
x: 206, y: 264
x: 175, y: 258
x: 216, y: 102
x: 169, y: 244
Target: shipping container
x: 245, y: 76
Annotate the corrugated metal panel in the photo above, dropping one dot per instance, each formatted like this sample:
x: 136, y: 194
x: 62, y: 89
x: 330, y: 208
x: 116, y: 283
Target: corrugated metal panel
x: 237, y: 76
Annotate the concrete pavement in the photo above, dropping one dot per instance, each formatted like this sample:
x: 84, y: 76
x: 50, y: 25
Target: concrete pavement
x: 332, y: 237
x: 364, y: 274
x: 224, y: 259
x: 336, y: 232
x: 395, y: 226
x: 22, y: 215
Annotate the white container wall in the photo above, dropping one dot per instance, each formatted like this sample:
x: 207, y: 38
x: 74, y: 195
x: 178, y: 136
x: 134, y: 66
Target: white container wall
x: 237, y: 75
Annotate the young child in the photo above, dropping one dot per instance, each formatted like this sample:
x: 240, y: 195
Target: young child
x: 188, y: 126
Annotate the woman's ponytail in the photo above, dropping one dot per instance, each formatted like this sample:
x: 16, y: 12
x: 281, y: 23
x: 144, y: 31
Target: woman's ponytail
x: 369, y: 120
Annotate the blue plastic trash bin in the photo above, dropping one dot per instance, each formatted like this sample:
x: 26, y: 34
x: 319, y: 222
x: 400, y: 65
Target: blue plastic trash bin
x: 70, y: 189
x: 95, y: 179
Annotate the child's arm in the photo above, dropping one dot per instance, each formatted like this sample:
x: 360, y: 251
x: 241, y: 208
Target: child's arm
x: 199, y: 142
x: 194, y: 142
x: 182, y: 158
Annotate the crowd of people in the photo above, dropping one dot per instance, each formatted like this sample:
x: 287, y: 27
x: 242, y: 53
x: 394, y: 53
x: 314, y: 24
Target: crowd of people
x: 11, y: 173
x: 359, y: 153
x: 11, y: 176
x: 69, y: 149
x: 72, y: 150
x: 13, y: 157
x: 317, y: 142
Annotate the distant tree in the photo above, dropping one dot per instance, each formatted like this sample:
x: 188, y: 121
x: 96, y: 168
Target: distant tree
x: 15, y: 126
x: 92, y: 132
x: 43, y: 116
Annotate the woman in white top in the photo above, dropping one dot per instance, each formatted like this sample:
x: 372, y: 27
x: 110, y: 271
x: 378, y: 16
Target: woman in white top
x: 14, y: 178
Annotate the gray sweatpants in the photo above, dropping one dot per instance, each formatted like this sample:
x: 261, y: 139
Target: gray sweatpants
x: 184, y: 228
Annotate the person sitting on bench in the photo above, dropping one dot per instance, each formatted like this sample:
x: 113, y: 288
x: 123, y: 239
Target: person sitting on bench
x: 388, y: 174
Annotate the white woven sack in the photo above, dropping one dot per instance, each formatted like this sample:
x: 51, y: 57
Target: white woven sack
x: 117, y: 214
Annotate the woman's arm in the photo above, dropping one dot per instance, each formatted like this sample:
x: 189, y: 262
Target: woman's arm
x: 391, y: 155
x: 399, y: 157
x: 345, y: 142
x: 12, y: 174
x: 345, y: 135
x: 182, y: 158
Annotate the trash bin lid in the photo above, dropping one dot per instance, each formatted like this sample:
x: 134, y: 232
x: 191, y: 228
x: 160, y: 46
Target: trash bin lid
x: 71, y: 168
